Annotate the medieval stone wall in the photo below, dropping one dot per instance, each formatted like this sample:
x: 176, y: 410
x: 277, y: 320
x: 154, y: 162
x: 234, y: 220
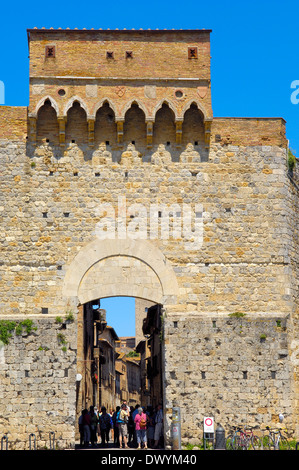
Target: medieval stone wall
x: 88, y: 146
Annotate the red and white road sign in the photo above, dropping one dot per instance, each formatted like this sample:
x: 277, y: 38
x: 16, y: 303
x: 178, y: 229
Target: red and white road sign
x: 208, y: 424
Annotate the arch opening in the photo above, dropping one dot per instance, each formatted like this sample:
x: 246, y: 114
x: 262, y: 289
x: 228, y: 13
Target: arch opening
x: 116, y: 269
x: 105, y: 126
x: 47, y: 129
x: 76, y: 130
x: 164, y: 131
x: 135, y: 127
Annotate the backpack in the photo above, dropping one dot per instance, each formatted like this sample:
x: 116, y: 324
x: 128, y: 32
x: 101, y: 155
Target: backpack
x: 118, y: 420
x: 142, y: 423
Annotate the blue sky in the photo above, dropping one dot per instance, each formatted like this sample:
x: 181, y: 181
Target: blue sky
x: 120, y: 314
x: 254, y: 47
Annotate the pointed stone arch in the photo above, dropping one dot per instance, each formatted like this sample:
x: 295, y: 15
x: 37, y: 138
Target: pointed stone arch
x: 189, y: 104
x: 42, y: 102
x: 129, y: 105
x: 101, y: 103
x: 169, y: 103
x: 70, y: 103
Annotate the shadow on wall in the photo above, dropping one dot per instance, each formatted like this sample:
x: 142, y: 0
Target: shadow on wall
x: 104, y: 140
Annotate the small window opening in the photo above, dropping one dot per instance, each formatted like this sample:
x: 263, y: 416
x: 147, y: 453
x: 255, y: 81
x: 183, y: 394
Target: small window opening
x: 73, y: 141
x: 107, y: 142
x: 45, y: 310
x: 179, y: 93
x: 45, y: 215
x: 273, y: 374
x: 245, y: 376
x: 192, y: 52
x: 110, y: 55
x: 129, y: 54
x: 50, y: 51
x: 97, y: 174
x: 66, y: 214
x: 175, y: 324
x: 203, y: 375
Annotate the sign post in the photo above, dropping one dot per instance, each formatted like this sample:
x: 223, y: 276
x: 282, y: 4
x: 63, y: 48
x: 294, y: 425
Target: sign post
x: 176, y: 428
x: 208, y: 429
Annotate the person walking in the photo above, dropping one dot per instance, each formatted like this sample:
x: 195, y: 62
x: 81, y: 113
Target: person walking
x: 140, y: 426
x: 93, y: 426
x: 86, y: 427
x: 158, y: 425
x: 122, y: 420
x: 115, y: 426
x: 105, y: 426
x: 150, y: 431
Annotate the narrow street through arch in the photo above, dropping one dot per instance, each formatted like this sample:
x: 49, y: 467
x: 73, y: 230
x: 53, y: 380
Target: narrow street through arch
x: 114, y: 368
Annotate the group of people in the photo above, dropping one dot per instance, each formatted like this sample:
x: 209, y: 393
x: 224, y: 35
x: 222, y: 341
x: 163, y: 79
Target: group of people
x: 135, y: 427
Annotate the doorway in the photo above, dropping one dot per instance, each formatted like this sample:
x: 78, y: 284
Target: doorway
x: 119, y: 353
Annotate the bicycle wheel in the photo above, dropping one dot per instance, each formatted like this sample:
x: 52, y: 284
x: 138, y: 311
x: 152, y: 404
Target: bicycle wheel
x: 283, y: 443
x: 268, y: 443
x: 255, y: 443
x: 228, y: 442
x: 240, y: 443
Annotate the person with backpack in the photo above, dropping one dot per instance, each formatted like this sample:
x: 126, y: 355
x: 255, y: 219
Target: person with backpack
x: 140, y: 426
x: 122, y: 421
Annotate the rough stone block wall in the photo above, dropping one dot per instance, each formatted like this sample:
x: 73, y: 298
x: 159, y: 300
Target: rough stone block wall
x: 38, y: 385
x: 151, y: 139
x: 228, y: 363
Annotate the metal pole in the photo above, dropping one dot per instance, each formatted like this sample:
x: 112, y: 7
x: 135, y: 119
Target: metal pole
x: 4, y: 438
x: 176, y: 428
x: 32, y: 435
x: 52, y: 439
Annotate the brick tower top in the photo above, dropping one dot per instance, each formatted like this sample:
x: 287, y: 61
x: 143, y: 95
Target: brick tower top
x: 116, y: 65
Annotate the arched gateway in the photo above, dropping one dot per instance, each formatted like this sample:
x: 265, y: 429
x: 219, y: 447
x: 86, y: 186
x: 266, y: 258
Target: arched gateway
x: 106, y: 268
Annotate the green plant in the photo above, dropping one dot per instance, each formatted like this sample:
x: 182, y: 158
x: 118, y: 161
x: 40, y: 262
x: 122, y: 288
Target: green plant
x: 291, y: 160
x: 58, y: 320
x: 263, y: 336
x: 70, y: 316
x: 132, y: 354
x: 8, y: 327
x: 237, y: 314
x: 27, y: 325
x: 61, y: 338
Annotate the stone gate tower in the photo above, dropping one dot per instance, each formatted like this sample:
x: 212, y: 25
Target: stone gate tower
x: 118, y: 180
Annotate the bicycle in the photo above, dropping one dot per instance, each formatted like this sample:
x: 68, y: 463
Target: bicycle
x: 243, y: 439
x: 253, y: 441
x: 275, y: 440
x: 236, y: 440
